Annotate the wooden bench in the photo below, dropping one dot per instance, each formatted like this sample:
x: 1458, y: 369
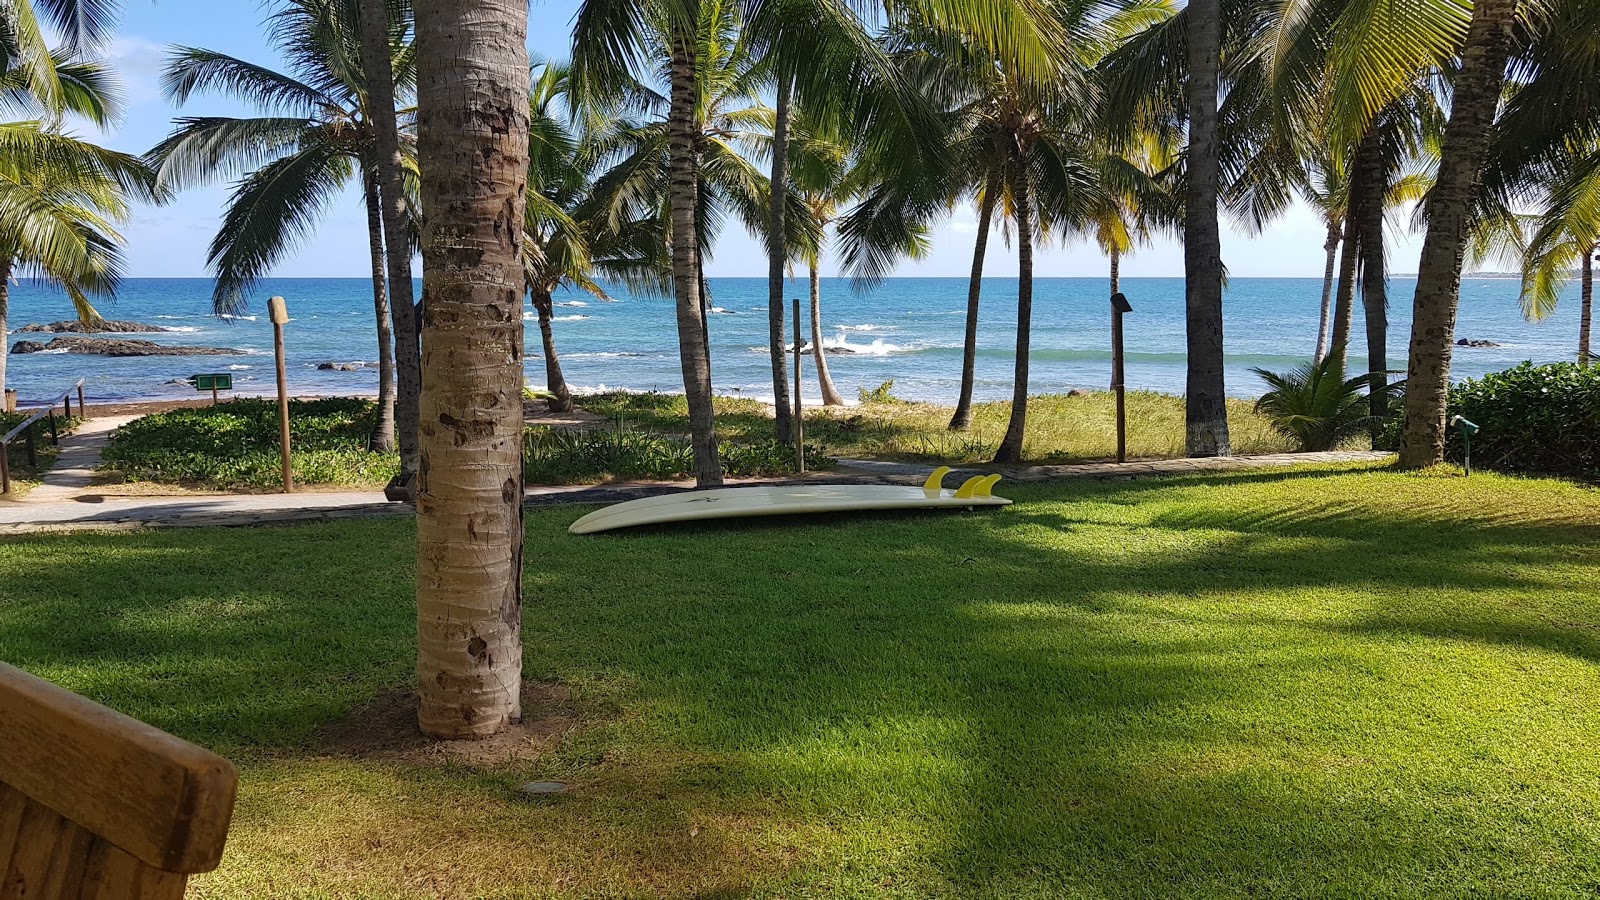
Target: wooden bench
x: 94, y: 804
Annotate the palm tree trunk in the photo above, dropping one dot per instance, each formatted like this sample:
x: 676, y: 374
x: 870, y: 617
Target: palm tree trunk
x: 684, y: 182
x: 962, y: 420
x: 472, y: 141
x: 1475, y: 100
x: 1585, y: 315
x: 382, y: 439
x: 1116, y: 287
x: 1331, y: 246
x: 777, y: 255
x: 5, y: 311
x: 1375, y: 285
x: 1345, y: 296
x: 830, y: 395
x: 378, y: 68
x: 1207, y: 396
x: 1010, y: 449
x: 554, y: 381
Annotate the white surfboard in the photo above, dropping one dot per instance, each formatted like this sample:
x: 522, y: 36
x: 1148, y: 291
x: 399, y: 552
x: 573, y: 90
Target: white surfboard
x: 789, y: 499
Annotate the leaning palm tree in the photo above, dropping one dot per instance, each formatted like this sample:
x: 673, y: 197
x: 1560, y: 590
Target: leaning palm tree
x: 60, y: 201
x: 315, y: 136
x: 383, y: 26
x: 1474, y: 102
x: 1566, y: 235
x: 472, y: 145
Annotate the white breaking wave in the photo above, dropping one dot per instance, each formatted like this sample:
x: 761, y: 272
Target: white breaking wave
x: 868, y: 327
x: 567, y: 318
x: 237, y: 367
x: 725, y: 312
x: 181, y: 329
x: 239, y: 318
x: 572, y: 303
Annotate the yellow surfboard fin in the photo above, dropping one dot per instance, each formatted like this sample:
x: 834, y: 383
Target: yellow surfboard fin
x: 986, y: 486
x: 935, y: 482
x: 969, y: 488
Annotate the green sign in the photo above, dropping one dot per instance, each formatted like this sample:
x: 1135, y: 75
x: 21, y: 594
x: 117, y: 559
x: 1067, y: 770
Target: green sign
x: 220, y: 381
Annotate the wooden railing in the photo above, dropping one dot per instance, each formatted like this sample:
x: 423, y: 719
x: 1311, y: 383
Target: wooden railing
x: 29, y: 427
x: 94, y: 804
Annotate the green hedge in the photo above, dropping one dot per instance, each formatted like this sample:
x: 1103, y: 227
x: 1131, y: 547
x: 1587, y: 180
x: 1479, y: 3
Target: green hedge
x: 1532, y: 419
x: 235, y: 445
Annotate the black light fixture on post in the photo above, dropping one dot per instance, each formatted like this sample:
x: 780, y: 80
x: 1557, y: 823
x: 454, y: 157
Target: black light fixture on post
x: 1119, y: 306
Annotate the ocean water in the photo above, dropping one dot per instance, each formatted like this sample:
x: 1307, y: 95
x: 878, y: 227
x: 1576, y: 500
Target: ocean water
x: 908, y: 330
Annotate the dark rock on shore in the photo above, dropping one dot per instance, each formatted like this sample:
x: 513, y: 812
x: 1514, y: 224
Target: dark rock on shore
x: 340, y: 367
x: 120, y: 347
x: 1468, y: 342
x: 104, y: 326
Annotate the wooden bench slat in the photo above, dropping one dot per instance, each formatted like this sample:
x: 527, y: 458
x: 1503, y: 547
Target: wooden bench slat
x: 114, y: 875
x: 12, y: 804
x: 25, y: 875
x: 163, y: 800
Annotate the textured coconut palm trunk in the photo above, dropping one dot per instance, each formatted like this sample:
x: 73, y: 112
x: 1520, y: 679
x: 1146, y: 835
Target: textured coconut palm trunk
x: 382, y: 438
x: 1475, y: 100
x: 472, y: 145
x: 1206, y: 402
x: 1585, y: 314
x: 389, y: 167
x: 684, y: 188
x: 777, y: 256
x: 6, y: 264
x: 1344, y: 300
x: 1115, y: 256
x: 1331, y: 248
x: 1010, y: 449
x: 962, y: 420
x: 1375, y: 287
x: 554, y: 381
x: 830, y: 395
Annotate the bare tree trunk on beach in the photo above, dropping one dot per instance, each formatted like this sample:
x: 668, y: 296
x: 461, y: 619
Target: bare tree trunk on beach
x: 6, y: 264
x: 1475, y: 101
x: 830, y: 395
x: 554, y: 381
x: 382, y: 439
x: 390, y: 170
x: 688, y: 284
x: 777, y: 256
x: 1331, y: 247
x: 1010, y: 449
x: 1585, y: 314
x: 1206, y: 396
x: 962, y: 420
x: 472, y: 146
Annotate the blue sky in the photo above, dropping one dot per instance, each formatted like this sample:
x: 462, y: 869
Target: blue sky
x: 170, y: 241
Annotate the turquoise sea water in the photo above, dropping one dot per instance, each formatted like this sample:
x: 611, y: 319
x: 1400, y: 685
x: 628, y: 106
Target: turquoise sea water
x: 908, y: 330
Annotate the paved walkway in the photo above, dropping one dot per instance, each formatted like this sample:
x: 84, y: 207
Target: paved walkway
x: 78, y: 509
x: 79, y: 456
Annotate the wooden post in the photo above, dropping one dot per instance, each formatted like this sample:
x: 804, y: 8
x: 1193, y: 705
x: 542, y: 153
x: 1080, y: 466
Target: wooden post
x: 66, y: 403
x: 55, y: 432
x: 799, y: 418
x: 82, y: 410
x: 5, y: 468
x: 280, y: 315
x: 214, y: 385
x: 1119, y: 305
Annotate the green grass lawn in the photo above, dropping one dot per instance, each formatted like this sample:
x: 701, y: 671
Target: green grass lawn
x: 1336, y: 682
x: 1061, y: 428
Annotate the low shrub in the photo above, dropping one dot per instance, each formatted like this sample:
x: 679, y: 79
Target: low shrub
x: 235, y: 445
x: 1315, y: 406
x: 567, y: 456
x: 1532, y: 419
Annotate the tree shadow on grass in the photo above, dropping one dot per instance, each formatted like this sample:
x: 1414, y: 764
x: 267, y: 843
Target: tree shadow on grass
x: 1148, y: 688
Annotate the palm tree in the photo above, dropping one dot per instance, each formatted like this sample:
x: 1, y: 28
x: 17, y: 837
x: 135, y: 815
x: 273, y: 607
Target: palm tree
x: 472, y: 147
x: 315, y: 136
x: 60, y: 200
x: 571, y: 236
x: 1206, y: 395
x: 1566, y: 234
x: 383, y: 27
x: 1474, y: 103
